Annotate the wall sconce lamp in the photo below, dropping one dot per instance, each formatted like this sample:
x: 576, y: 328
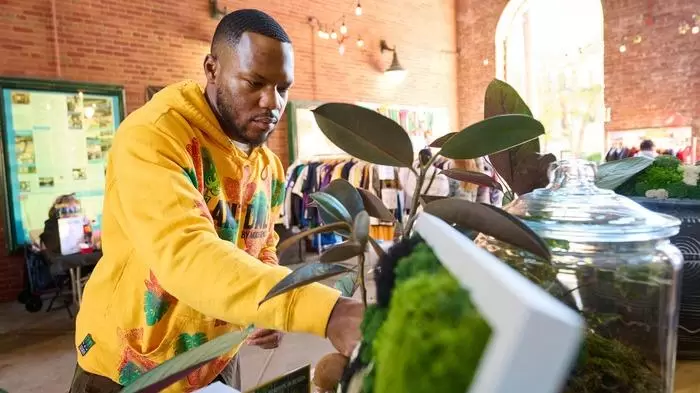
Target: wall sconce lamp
x: 395, y: 72
x: 214, y: 11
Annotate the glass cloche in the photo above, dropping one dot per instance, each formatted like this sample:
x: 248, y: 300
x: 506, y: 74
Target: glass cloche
x: 611, y: 260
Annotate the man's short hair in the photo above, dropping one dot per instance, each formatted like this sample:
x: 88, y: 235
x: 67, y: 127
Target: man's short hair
x: 233, y: 25
x: 647, y: 145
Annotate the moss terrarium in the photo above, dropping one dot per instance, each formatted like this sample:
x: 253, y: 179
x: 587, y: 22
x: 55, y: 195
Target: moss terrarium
x: 612, y: 261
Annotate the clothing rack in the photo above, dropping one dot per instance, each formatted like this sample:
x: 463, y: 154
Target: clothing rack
x: 311, y: 174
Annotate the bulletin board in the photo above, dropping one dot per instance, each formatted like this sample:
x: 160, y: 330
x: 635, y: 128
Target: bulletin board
x: 306, y: 139
x: 55, y: 140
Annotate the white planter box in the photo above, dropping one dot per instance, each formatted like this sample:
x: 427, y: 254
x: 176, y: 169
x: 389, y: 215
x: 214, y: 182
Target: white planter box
x: 535, y: 338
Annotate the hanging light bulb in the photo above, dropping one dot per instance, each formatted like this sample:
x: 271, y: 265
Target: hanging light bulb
x: 341, y: 49
x: 683, y: 28
x: 360, y: 43
x: 343, y: 28
x: 334, y: 35
x: 358, y: 9
x: 623, y: 48
x: 695, y: 30
x: 486, y: 62
x: 320, y: 33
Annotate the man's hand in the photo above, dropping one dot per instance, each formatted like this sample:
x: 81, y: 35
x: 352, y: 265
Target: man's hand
x: 265, y: 338
x: 344, y: 325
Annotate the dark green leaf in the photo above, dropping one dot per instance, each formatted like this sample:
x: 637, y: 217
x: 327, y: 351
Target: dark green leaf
x: 491, y: 136
x: 305, y: 275
x: 330, y: 208
x: 612, y: 174
x: 365, y: 134
x: 466, y: 176
x: 347, y: 284
x: 489, y: 221
x: 342, y: 252
x: 374, y: 206
x: 180, y: 366
x: 441, y: 140
x: 290, y: 241
x: 530, y: 172
x: 431, y: 198
x: 502, y: 99
x: 377, y: 248
x: 360, y: 228
x: 346, y: 194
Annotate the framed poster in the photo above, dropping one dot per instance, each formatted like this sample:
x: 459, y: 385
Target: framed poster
x: 55, y: 140
x: 305, y: 138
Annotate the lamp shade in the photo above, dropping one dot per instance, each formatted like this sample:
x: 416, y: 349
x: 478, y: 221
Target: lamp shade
x: 395, y: 65
x: 395, y: 72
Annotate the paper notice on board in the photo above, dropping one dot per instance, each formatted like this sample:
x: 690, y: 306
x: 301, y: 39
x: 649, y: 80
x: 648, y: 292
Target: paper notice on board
x: 385, y: 172
x: 389, y: 198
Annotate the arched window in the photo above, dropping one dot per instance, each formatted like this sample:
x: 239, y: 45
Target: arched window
x: 551, y: 51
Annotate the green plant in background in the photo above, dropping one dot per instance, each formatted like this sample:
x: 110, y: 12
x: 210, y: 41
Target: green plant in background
x: 662, y: 173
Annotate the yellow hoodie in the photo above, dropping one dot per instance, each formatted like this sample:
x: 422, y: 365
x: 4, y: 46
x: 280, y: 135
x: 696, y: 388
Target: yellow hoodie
x: 187, y: 220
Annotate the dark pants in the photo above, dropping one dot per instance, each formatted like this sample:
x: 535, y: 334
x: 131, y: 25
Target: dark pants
x: 85, y: 382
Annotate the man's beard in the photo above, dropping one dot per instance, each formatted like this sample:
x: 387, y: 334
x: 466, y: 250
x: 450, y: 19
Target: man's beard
x: 232, y: 130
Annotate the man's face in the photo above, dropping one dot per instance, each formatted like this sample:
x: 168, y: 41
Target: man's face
x: 248, y: 86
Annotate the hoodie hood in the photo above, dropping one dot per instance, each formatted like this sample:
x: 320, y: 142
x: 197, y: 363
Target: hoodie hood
x: 187, y: 99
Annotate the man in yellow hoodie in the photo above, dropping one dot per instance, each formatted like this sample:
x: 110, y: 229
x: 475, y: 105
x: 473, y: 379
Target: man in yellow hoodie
x: 191, y: 200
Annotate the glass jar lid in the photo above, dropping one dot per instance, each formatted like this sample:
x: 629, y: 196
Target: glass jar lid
x: 572, y: 208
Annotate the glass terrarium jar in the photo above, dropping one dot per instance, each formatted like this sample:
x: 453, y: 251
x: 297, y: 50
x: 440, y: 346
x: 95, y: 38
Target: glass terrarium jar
x: 612, y: 261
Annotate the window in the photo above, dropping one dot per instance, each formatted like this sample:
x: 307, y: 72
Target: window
x: 551, y: 51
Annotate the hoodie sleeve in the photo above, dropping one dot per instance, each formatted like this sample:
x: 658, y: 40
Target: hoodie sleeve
x: 269, y: 253
x: 161, y: 211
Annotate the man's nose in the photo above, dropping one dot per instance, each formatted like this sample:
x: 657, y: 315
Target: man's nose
x: 270, y: 98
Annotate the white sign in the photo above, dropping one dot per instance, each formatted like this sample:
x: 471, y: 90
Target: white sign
x: 535, y: 338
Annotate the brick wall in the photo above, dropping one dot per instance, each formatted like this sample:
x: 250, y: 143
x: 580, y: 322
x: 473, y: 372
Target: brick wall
x: 658, y: 77
x: 643, y: 86
x: 137, y: 43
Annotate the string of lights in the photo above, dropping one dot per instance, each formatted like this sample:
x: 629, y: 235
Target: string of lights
x: 340, y: 34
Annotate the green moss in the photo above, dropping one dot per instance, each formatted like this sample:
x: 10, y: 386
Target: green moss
x: 610, y: 366
x: 421, y: 260
x: 373, y: 319
x: 432, y: 339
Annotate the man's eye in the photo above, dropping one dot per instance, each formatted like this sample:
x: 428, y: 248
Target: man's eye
x: 254, y: 84
x: 282, y: 89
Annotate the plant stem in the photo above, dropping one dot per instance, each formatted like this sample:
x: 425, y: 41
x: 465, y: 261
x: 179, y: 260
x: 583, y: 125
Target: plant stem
x: 415, y: 203
x: 430, y: 183
x: 363, y: 288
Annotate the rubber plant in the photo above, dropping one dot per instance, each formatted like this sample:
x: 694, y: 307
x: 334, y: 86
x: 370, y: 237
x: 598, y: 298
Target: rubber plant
x: 508, y: 135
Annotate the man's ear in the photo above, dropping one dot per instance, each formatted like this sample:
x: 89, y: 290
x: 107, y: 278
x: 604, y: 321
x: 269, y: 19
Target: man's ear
x: 211, y: 68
